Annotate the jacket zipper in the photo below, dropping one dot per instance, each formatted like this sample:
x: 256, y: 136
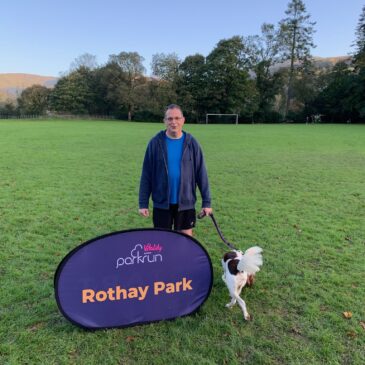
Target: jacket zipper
x: 181, y: 173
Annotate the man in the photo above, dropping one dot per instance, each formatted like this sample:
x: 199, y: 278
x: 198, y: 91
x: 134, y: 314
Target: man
x: 172, y: 168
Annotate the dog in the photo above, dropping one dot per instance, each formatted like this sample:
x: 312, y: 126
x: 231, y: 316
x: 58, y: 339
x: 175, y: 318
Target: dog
x: 239, y: 269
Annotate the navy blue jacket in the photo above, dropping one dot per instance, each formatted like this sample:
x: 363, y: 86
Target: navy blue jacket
x: 154, y: 178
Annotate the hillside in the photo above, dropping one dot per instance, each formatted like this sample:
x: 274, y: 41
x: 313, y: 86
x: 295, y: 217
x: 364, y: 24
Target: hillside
x: 12, y: 84
x: 330, y: 61
x: 320, y: 62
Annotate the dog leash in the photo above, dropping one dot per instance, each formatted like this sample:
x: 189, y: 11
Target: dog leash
x: 202, y: 215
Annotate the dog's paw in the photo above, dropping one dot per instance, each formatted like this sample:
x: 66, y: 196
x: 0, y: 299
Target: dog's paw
x: 229, y: 305
x: 248, y: 317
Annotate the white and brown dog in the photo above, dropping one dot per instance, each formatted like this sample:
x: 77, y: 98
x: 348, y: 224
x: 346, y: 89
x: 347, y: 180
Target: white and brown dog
x: 239, y: 269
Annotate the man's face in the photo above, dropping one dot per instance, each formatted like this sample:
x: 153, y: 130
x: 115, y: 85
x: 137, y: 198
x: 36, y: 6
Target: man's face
x: 174, y: 122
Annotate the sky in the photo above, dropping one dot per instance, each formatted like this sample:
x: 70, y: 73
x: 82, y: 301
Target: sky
x: 44, y: 36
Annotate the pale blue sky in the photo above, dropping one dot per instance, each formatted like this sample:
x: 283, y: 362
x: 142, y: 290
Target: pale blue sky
x: 44, y: 37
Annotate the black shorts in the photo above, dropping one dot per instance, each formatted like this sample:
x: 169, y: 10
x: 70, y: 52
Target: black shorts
x: 172, y: 218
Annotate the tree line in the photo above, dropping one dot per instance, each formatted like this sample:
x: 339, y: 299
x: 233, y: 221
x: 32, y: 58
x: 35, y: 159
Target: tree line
x: 270, y: 77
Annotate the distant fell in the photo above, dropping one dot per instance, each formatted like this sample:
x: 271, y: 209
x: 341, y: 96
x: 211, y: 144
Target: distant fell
x: 320, y: 62
x: 331, y: 61
x: 12, y: 84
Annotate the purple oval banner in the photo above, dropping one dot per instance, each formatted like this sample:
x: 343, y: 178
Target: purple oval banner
x: 133, y: 277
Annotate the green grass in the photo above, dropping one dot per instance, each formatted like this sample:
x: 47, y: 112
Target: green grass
x: 296, y: 190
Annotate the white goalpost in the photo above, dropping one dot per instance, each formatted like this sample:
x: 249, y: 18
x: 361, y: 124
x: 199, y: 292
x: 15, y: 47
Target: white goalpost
x: 233, y: 115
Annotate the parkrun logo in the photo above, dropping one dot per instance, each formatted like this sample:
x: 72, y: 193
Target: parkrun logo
x: 142, y: 254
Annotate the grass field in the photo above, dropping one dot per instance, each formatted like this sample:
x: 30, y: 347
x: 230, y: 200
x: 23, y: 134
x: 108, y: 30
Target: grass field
x: 298, y: 191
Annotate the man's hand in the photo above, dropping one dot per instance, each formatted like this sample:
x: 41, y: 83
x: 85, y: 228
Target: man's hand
x: 206, y: 211
x: 144, y: 212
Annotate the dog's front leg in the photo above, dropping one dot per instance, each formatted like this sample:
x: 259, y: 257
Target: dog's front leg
x: 231, y: 303
x: 242, y: 304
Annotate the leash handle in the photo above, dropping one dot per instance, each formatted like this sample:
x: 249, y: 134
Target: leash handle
x: 202, y: 215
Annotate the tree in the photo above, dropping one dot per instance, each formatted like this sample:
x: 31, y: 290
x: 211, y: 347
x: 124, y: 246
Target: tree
x: 153, y: 96
x: 305, y: 89
x: 165, y: 70
x: 296, y: 36
x: 192, y: 86
x: 341, y: 95
x: 86, y: 60
x: 359, y: 62
x: 227, y: 77
x: 360, y: 33
x: 263, y: 53
x: 359, y: 54
x: 108, y: 81
x: 8, y: 109
x: 264, y: 48
x: 337, y: 99
x: 34, y: 100
x: 75, y: 93
x: 165, y: 67
x: 130, y: 64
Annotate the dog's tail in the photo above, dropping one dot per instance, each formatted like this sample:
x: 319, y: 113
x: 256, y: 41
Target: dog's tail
x: 251, y: 260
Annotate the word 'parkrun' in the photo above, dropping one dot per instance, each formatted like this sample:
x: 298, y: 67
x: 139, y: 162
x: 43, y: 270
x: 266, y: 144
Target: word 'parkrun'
x: 140, y: 292
x: 142, y: 254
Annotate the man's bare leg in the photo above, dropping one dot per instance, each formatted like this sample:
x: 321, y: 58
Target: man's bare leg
x: 189, y: 232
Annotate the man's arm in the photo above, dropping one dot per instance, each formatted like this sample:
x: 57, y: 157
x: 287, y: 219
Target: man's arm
x: 202, y: 181
x: 145, y: 186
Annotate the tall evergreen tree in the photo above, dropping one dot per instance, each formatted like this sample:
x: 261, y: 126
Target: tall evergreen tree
x: 358, y: 94
x: 296, y: 33
x: 359, y: 56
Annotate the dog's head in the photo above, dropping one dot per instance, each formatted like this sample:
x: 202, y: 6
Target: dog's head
x: 239, y: 261
x: 233, y: 258
x: 231, y: 255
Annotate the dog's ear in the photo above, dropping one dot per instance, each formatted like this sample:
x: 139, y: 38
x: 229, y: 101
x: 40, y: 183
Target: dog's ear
x: 229, y: 256
x: 232, y: 267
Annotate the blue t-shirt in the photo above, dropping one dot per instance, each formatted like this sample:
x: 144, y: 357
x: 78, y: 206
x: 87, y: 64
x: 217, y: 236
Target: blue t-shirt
x: 174, y: 155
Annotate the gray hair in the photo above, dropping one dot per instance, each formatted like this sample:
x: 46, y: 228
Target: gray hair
x: 173, y: 106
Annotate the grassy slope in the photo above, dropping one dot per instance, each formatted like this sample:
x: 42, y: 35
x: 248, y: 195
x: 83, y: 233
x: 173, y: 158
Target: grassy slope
x: 296, y: 190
